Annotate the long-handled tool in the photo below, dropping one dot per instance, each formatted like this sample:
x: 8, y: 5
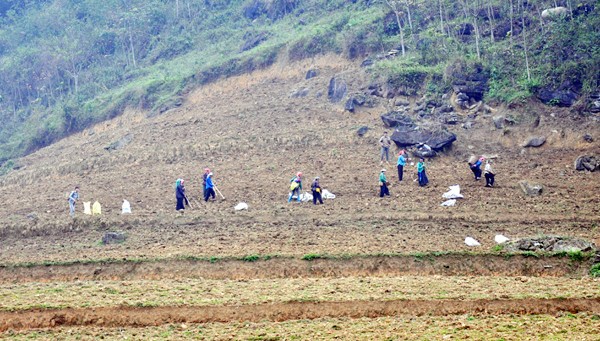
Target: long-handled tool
x: 221, y: 194
x: 188, y: 202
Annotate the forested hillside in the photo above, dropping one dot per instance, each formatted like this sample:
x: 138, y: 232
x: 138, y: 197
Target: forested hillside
x: 66, y: 64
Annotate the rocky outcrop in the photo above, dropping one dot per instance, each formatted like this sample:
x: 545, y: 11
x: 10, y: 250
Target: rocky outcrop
x: 563, y: 96
x: 589, y: 163
x: 550, y: 244
x: 397, y: 119
x: 469, y: 83
x: 436, y: 139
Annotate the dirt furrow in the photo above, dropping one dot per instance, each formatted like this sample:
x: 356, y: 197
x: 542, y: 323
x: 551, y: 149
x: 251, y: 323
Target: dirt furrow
x: 417, y: 264
x: 153, y: 316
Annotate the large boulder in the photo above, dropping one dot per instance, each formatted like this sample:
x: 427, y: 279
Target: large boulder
x: 337, y: 90
x: 397, y: 119
x: 436, y: 139
x: 530, y: 189
x: 589, y: 163
x: 549, y: 244
x: 563, y: 96
x: 536, y: 141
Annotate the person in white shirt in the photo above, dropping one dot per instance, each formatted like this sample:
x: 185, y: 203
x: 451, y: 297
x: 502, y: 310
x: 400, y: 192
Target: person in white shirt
x: 489, y: 174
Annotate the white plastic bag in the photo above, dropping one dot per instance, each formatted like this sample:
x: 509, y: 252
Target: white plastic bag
x: 453, y: 193
x: 87, y: 207
x: 449, y: 203
x: 327, y: 195
x: 500, y: 239
x: 96, y: 208
x: 304, y: 197
x: 126, y: 207
x: 471, y: 242
x: 241, y: 206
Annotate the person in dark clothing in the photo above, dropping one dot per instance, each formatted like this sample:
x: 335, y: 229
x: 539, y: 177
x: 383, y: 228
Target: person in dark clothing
x: 204, y: 176
x: 210, y: 187
x: 489, y: 174
x: 421, y: 173
x: 316, y: 191
x: 476, y: 168
x: 383, y: 184
x: 180, y: 195
x: 401, y: 163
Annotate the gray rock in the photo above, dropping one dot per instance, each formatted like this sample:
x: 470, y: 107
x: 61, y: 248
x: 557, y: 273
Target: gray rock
x: 531, y: 189
x: 362, y: 131
x: 536, y: 141
x: 120, y: 144
x: 367, y: 62
x: 498, y: 121
x: 397, y: 119
x: 588, y: 138
x: 401, y: 103
x: 300, y: 93
x: 549, y: 244
x: 311, y: 73
x: 113, y: 238
x: 349, y: 106
x: 589, y: 163
x: 451, y: 118
x: 337, y: 90
x: 436, y: 139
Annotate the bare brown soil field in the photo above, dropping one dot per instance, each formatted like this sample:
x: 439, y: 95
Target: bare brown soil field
x: 204, y: 292
x: 278, y: 312
x: 459, y: 327
x: 255, y: 136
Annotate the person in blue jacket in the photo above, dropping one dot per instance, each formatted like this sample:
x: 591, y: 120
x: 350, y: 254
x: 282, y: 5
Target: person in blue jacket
x: 180, y: 195
x: 210, y: 187
x: 73, y: 197
x: 423, y: 180
x: 476, y: 167
x: 401, y: 163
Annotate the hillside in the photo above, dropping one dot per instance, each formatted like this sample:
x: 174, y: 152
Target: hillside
x: 65, y: 65
x: 255, y: 136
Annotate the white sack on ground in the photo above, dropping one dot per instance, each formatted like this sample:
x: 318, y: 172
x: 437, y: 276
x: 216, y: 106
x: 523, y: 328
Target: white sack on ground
x: 500, y: 239
x: 327, y: 195
x: 471, y: 242
x: 449, y: 203
x: 241, y: 206
x: 126, y: 207
x: 453, y: 193
x: 304, y: 197
x: 87, y: 207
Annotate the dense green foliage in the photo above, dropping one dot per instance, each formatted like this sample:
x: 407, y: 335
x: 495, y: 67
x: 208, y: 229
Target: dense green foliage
x: 66, y: 64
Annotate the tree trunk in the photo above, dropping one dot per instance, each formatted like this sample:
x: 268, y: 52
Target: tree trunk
x: 525, y: 43
x: 399, y: 22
